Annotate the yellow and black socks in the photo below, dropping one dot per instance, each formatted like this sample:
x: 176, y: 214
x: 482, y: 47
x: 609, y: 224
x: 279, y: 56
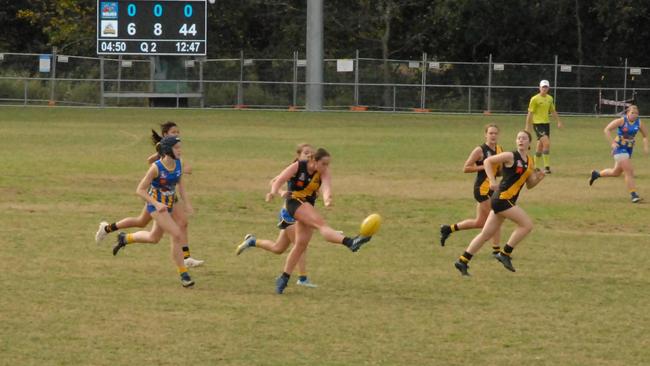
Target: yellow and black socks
x: 496, y: 248
x: 110, y: 228
x: 181, y: 270
x: 454, y: 227
x: 186, y: 251
x: 507, y: 250
x: 466, y: 257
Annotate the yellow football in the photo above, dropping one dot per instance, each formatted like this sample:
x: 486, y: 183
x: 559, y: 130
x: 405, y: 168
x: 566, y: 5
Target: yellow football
x: 370, y: 225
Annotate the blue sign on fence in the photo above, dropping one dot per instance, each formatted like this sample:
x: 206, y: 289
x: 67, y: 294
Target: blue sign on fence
x: 44, y: 63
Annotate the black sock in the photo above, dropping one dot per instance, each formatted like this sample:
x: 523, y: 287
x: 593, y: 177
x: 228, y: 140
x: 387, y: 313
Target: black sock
x: 466, y: 257
x: 285, y: 275
x: 347, y: 241
x: 110, y: 228
x: 507, y: 249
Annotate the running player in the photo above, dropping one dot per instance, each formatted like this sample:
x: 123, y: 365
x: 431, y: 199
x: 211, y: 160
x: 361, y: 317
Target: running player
x: 518, y: 168
x: 538, y: 109
x: 305, y: 179
x: 158, y: 188
x: 622, y: 146
x: 287, y: 229
x: 180, y: 216
x: 482, y: 192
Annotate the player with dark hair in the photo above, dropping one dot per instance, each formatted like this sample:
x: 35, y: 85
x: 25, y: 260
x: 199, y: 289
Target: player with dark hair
x: 168, y: 128
x: 158, y: 188
x: 518, y: 169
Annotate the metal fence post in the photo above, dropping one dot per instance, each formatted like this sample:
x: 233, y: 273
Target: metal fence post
x: 25, y: 95
x: 394, y: 98
x: 101, y: 81
x: 294, y: 100
x: 489, y: 86
x: 423, y: 92
x: 625, y: 82
x: 469, y: 100
x: 555, y: 81
x: 119, y: 77
x: 53, y: 76
x: 240, y: 86
x: 201, y: 86
x: 356, y: 78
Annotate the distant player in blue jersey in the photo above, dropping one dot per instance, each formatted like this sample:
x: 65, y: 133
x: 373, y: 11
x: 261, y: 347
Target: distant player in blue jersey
x: 180, y: 216
x: 622, y: 146
x: 287, y: 228
x: 158, y: 188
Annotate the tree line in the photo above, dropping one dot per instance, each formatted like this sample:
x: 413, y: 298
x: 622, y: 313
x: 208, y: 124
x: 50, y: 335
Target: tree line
x: 582, y: 32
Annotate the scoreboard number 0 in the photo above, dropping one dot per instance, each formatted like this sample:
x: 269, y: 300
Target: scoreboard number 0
x: 162, y: 27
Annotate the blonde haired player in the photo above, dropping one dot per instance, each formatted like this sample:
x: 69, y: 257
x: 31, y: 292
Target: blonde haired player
x: 622, y: 146
x: 539, y: 107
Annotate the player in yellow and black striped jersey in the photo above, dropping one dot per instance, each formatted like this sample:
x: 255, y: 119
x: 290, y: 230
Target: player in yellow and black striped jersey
x: 305, y: 178
x: 482, y: 192
x: 518, y: 169
x: 287, y: 226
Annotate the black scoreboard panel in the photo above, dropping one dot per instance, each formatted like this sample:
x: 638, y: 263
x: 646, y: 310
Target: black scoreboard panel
x: 151, y: 27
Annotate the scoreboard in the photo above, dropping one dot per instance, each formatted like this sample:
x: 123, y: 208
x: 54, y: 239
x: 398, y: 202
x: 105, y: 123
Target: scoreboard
x: 151, y: 27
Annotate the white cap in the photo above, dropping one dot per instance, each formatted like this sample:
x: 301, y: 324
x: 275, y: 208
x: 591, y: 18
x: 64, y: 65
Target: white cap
x: 544, y: 83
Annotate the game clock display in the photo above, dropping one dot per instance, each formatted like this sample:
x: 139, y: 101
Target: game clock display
x: 151, y: 27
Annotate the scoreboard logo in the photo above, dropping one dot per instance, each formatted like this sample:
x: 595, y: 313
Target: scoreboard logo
x: 109, y: 28
x: 109, y: 10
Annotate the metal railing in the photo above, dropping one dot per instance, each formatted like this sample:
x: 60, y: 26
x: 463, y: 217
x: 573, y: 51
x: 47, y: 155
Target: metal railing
x: 421, y: 85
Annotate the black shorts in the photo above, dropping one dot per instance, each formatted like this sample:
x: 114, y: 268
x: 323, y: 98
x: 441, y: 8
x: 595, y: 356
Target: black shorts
x: 481, y: 197
x: 500, y: 205
x: 542, y: 129
x: 292, y: 205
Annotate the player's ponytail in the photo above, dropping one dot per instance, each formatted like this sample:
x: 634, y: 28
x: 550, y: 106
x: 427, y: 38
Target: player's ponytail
x: 155, y: 138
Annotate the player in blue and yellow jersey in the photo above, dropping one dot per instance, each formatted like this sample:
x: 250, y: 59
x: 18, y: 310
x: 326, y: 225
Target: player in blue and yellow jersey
x: 180, y: 216
x: 482, y: 192
x: 539, y: 107
x: 518, y: 169
x: 287, y: 228
x: 305, y: 179
x: 622, y: 146
x: 158, y: 188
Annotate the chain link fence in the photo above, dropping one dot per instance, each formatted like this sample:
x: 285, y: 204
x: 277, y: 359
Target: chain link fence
x: 358, y: 83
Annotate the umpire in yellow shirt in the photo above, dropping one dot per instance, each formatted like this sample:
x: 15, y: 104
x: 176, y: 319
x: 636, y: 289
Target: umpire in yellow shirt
x: 540, y: 106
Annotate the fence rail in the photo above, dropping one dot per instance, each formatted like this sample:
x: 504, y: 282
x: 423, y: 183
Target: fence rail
x: 356, y: 83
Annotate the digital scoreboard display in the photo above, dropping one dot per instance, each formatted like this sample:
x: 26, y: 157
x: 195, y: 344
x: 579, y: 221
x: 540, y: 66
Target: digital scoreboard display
x: 151, y: 27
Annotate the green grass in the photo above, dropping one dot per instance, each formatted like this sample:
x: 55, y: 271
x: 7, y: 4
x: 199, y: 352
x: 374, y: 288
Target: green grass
x: 580, y: 296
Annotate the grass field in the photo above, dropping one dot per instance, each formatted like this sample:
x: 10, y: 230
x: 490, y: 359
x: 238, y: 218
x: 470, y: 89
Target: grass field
x: 580, y: 295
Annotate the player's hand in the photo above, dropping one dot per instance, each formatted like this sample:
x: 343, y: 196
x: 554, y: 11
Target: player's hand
x: 269, y: 197
x: 540, y: 174
x: 494, y: 186
x: 559, y: 124
x: 329, y: 203
x: 160, y: 207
